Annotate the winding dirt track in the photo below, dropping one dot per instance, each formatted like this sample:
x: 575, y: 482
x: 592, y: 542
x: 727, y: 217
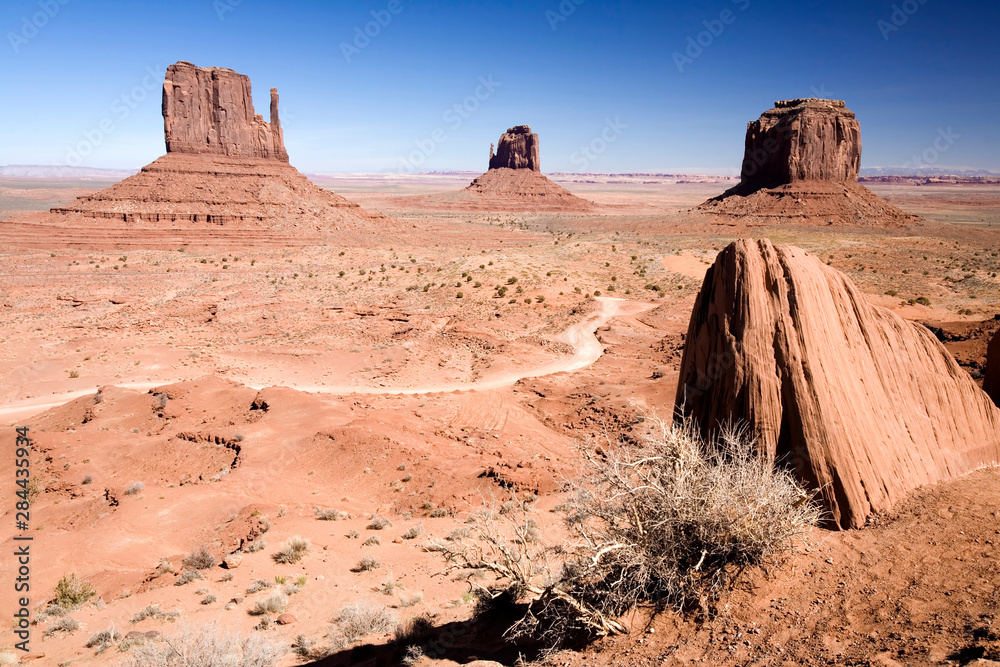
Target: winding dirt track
x: 587, y: 349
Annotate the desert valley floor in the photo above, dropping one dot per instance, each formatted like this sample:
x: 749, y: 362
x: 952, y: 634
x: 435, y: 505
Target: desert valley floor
x: 457, y: 359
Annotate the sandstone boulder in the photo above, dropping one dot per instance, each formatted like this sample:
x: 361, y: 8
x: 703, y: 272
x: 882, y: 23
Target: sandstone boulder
x: 232, y: 561
x: 209, y: 111
x: 862, y: 404
x: 518, y: 149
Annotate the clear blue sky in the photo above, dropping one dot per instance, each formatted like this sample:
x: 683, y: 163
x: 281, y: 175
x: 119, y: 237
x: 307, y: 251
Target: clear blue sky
x: 566, y: 67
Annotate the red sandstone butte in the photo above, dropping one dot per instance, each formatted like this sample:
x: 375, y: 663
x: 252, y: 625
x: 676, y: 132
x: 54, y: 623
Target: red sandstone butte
x: 225, y: 180
x: 800, y: 164
x: 514, y: 178
x: 518, y: 149
x: 209, y: 111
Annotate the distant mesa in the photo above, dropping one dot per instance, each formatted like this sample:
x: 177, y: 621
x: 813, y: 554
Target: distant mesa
x: 802, y: 140
x: 863, y: 405
x: 225, y: 179
x: 518, y: 149
x: 801, y: 163
x: 514, y: 178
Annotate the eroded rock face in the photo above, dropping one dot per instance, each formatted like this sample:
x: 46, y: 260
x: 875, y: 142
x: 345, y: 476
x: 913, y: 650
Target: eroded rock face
x: 991, y: 374
x: 801, y: 140
x: 209, y: 111
x: 518, y: 149
x: 864, y: 405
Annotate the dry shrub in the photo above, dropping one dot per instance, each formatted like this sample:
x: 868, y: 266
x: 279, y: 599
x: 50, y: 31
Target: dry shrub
x: 292, y: 551
x: 155, y: 612
x: 275, y: 603
x: 258, y: 585
x: 359, y: 620
x: 199, y: 559
x: 187, y: 576
x: 411, y: 599
x: 104, y: 639
x: 64, y: 626
x: 673, y: 521
x: 379, y: 523
x: 325, y: 514
x: 367, y: 564
x: 209, y: 646
x: 71, y: 593
x: 254, y: 547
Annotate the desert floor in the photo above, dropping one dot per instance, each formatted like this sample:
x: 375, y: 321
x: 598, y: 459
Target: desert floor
x: 242, y: 383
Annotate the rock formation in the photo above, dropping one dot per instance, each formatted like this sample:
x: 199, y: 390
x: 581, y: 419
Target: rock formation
x: 991, y: 373
x: 514, y: 180
x: 209, y: 111
x: 224, y: 180
x: 802, y: 140
x: 864, y: 405
x: 801, y: 163
x: 518, y: 149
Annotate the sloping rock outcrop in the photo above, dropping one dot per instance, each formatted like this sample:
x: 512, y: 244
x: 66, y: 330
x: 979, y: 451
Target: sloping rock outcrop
x: 865, y: 406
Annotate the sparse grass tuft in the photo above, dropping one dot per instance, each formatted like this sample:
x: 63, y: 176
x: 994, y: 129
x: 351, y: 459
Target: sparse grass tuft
x: 258, y: 586
x: 379, y: 523
x: 64, y: 626
x: 255, y: 546
x: 330, y: 514
x: 155, y: 612
x: 209, y: 646
x: 275, y: 603
x: 292, y: 551
x: 187, y: 576
x: 360, y: 620
x: 104, y: 639
x: 134, y: 488
x: 367, y: 564
x: 199, y: 559
x: 411, y: 599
